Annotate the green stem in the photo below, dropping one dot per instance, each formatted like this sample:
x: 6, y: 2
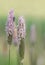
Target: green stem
x: 9, y: 54
x: 21, y: 50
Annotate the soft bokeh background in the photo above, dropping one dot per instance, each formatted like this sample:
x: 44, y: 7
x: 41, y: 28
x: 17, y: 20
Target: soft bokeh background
x: 33, y: 12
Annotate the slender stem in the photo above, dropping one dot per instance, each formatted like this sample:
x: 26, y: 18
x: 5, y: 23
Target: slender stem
x: 9, y: 54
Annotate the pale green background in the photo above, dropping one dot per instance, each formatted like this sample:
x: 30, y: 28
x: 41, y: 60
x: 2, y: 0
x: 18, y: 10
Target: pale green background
x: 23, y: 7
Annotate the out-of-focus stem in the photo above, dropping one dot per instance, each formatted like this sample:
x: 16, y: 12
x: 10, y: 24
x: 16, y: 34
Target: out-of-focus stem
x: 9, y: 54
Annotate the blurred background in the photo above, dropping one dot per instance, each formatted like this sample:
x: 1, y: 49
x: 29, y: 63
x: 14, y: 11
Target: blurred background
x: 33, y: 12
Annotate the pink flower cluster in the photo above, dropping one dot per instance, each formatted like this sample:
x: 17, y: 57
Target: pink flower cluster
x: 11, y: 29
x: 21, y: 27
x: 10, y: 23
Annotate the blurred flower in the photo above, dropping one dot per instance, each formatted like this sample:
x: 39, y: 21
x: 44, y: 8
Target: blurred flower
x: 21, y: 27
x: 33, y: 33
